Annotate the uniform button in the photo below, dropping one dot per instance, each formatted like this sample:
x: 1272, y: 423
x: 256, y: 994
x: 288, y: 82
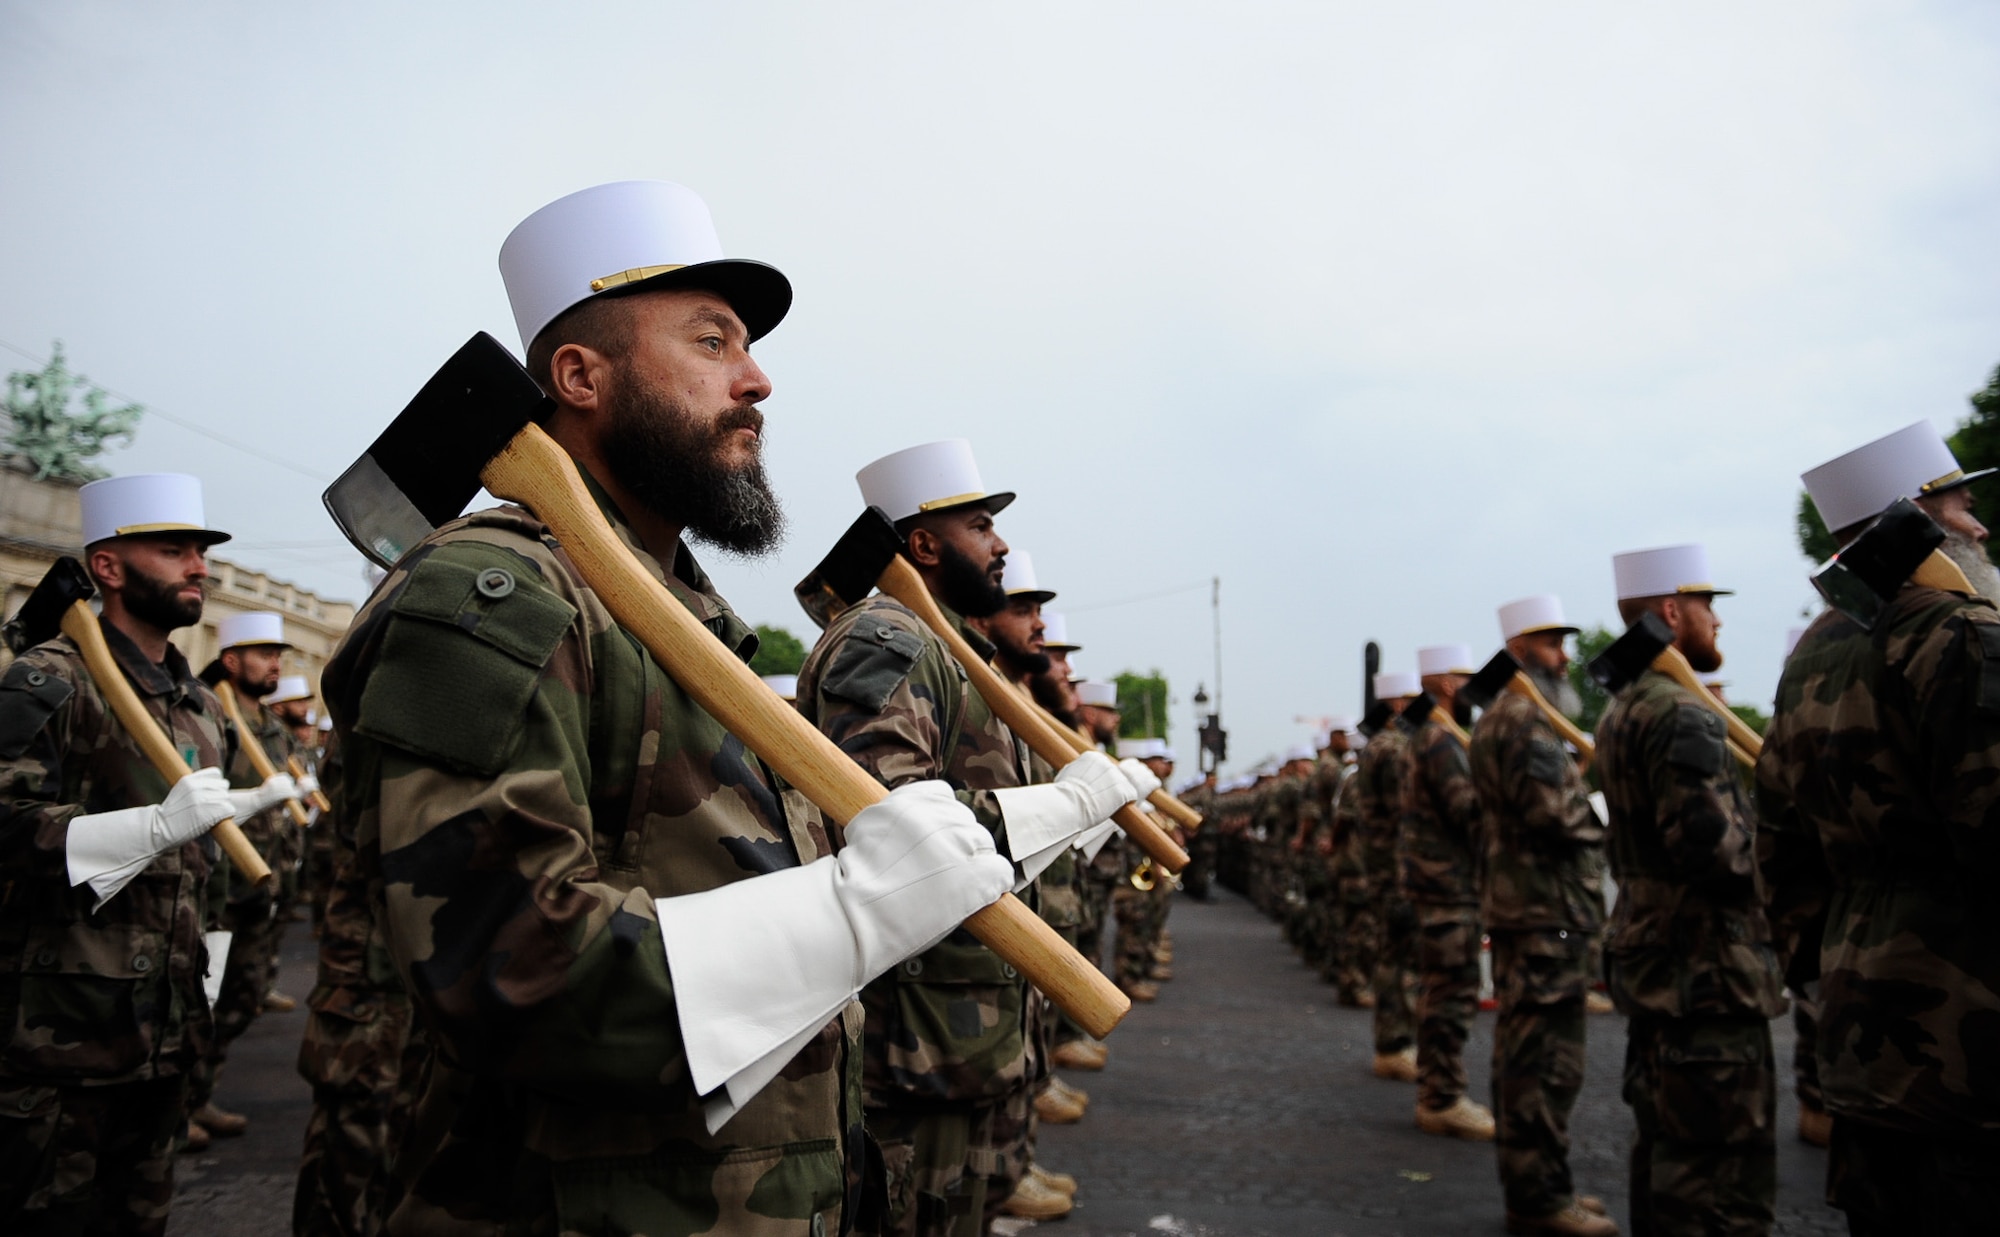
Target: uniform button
x: 885, y: 634
x: 495, y: 582
x: 142, y: 964
x: 36, y: 678
x: 27, y: 1103
x: 915, y: 966
x: 45, y: 958
x: 1561, y: 935
x: 1008, y: 971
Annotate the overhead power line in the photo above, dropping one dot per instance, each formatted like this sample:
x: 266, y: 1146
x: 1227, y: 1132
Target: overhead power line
x: 1133, y: 601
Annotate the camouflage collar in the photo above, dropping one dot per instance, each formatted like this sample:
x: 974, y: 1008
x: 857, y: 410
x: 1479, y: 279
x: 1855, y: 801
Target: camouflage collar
x: 687, y: 582
x: 980, y: 644
x: 171, y: 677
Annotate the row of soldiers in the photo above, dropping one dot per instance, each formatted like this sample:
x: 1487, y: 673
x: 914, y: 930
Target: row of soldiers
x: 588, y: 962
x: 1848, y: 858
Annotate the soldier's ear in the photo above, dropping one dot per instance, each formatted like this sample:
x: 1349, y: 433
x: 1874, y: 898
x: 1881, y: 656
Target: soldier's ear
x: 106, y: 567
x: 924, y: 546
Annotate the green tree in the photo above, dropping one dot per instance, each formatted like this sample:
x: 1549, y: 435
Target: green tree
x: 1589, y: 643
x: 52, y: 438
x: 1142, y: 705
x: 778, y: 651
x: 1976, y: 443
x: 1752, y: 716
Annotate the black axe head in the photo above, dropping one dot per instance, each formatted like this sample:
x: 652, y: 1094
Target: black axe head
x: 1870, y: 569
x: 424, y: 468
x: 1378, y: 717
x: 40, y: 616
x: 848, y: 572
x: 1482, y: 689
x: 1418, y: 711
x: 1631, y: 654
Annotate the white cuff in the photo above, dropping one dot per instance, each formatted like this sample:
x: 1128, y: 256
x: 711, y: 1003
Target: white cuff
x: 1093, y: 839
x: 108, y: 849
x: 757, y: 966
x: 1039, y: 821
x: 218, y: 957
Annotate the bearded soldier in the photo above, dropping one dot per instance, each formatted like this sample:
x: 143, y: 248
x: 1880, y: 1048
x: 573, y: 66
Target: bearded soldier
x: 102, y: 872
x: 950, y: 1033
x: 630, y: 940
x: 1878, y: 788
x: 1378, y: 792
x: 1543, y: 907
x: 1688, y: 953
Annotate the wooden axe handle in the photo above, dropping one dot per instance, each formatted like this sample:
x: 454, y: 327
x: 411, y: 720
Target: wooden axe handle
x: 253, y: 747
x: 298, y: 770
x: 1572, y: 734
x: 1181, y: 814
x: 533, y: 471
x: 1940, y: 572
x: 1674, y: 665
x: 1044, y: 737
x: 80, y: 625
x: 1452, y: 728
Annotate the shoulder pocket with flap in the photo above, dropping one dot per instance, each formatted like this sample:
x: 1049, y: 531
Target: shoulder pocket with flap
x: 29, y: 696
x: 1700, y: 740
x: 873, y: 661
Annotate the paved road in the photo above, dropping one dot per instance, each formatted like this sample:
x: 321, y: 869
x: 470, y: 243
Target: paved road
x: 1238, y: 1105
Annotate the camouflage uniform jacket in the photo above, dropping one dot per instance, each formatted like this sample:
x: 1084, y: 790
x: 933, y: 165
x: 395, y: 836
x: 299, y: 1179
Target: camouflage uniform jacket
x: 1880, y: 781
x: 952, y: 1023
x: 1688, y: 935
x: 1441, y: 850
x: 112, y: 994
x: 271, y: 830
x: 1542, y: 836
x: 1376, y: 794
x: 1281, y: 807
x: 522, y: 781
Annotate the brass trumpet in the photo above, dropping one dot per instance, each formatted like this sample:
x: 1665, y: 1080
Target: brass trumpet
x: 1142, y: 876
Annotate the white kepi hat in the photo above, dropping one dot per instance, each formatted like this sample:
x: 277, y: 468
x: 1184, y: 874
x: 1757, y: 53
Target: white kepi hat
x: 1018, y: 578
x: 936, y: 476
x: 149, y: 502
x: 625, y: 237
x: 1055, y: 630
x: 1143, y: 749
x: 1301, y: 751
x: 237, y: 631
x: 786, y: 685
x: 1910, y: 463
x: 1533, y: 614
x: 1097, y: 694
x: 290, y: 687
x: 1664, y: 572
x: 1445, y: 659
x: 1396, y: 685
x: 1340, y: 722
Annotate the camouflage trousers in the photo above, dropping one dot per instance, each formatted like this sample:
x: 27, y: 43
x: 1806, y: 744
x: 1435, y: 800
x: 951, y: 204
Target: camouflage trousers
x: 1704, y: 1094
x: 88, y: 1159
x: 1094, y: 892
x: 246, y: 977
x: 1355, y: 932
x: 938, y: 1159
x: 1395, y: 971
x: 1805, y: 1060
x: 1142, y: 918
x: 1891, y: 1182
x: 1199, y: 874
x: 365, y: 1060
x: 1014, y: 1129
x: 1538, y: 1056
x: 1447, y: 1000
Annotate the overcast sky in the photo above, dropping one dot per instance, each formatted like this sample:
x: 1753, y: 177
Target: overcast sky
x: 1383, y: 313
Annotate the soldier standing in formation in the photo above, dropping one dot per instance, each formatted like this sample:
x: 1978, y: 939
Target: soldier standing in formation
x: 1878, y: 789
x: 1378, y: 788
x: 253, y: 646
x: 949, y: 1031
x: 583, y: 878
x: 1543, y: 907
x: 105, y: 871
x: 1688, y: 953
x: 1442, y: 856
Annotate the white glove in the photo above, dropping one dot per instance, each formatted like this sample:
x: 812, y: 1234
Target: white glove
x: 276, y: 789
x: 1093, y: 839
x: 1139, y: 775
x: 218, y: 958
x: 759, y: 965
x: 1041, y: 820
x: 108, y: 849
x: 307, y: 785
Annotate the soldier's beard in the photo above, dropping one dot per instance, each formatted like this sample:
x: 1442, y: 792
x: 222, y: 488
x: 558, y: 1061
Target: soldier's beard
x: 667, y: 459
x: 1971, y: 558
x: 1557, y: 690
x: 157, y: 602
x: 1050, y: 695
x: 966, y: 586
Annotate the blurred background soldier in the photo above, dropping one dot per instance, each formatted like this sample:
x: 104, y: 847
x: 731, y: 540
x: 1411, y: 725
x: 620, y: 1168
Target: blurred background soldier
x: 1352, y: 929
x: 1688, y: 953
x: 1443, y: 855
x: 1378, y: 791
x: 1878, y: 785
x: 1543, y: 906
x: 1097, y: 707
x: 1139, y: 899
x: 104, y: 871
